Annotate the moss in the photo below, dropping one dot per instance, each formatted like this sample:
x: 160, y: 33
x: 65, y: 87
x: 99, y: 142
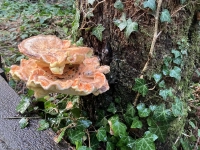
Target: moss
x: 171, y: 37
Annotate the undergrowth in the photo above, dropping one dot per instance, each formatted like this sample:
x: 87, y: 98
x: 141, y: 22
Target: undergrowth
x: 133, y: 127
x: 22, y: 19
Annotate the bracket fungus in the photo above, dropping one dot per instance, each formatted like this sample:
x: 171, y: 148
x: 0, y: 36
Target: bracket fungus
x: 80, y: 73
x: 53, y: 52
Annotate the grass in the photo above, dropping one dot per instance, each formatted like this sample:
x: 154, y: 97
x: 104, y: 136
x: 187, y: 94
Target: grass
x: 23, y: 19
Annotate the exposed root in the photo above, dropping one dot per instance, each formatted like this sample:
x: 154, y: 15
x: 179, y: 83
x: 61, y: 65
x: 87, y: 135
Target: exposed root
x: 156, y: 34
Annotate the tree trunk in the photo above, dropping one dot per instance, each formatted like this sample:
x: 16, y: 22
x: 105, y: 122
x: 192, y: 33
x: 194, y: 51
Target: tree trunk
x: 128, y: 56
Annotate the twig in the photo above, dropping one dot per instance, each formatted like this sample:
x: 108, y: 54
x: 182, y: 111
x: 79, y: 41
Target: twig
x: 178, y: 10
x: 155, y: 36
x: 88, y: 138
x: 98, y: 4
x: 85, y: 14
x: 22, y: 117
x: 196, y: 145
x: 177, y: 140
x: 136, y: 99
x: 186, y: 135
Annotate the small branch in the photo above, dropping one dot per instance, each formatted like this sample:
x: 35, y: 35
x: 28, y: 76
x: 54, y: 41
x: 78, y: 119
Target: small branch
x: 97, y: 5
x: 88, y: 138
x: 177, y: 140
x: 155, y: 36
x: 136, y: 99
x: 193, y: 101
x: 178, y: 10
x: 186, y: 135
x: 196, y: 145
x: 22, y: 117
x: 84, y: 22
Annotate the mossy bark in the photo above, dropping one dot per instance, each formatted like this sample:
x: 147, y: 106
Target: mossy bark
x: 127, y: 57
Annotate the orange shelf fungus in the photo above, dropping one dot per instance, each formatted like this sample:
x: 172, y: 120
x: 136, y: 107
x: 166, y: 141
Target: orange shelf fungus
x: 53, y: 52
x: 24, y: 70
x: 80, y: 73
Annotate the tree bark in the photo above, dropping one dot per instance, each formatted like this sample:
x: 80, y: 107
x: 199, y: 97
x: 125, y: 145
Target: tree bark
x: 127, y: 57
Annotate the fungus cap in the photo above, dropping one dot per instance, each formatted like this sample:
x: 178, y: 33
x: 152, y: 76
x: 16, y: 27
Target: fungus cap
x: 24, y: 70
x: 77, y: 79
x: 53, y: 52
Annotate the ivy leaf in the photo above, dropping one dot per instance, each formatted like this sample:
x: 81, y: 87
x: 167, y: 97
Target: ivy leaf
x: 113, y: 139
x: 43, y: 124
x: 75, y: 136
x: 159, y: 129
x: 75, y: 23
x: 197, y: 72
x: 60, y: 136
x: 118, y: 128
x: 101, y: 134
x: 165, y: 16
x: 131, y: 26
x: 167, y: 61
x: 78, y: 144
x: 102, y: 122
x: 165, y: 93
x: 184, y: 51
x: 144, y: 113
x: 112, y: 108
x: 150, y: 4
x: 90, y: 13
x: 76, y: 112
x: 50, y: 108
x: 192, y: 124
x: 142, y: 110
x: 140, y: 106
x: 119, y: 5
x: 165, y: 70
x: 136, y: 123
x: 30, y: 93
x: 140, y: 86
x: 177, y: 61
x: 130, y: 111
x: 91, y: 2
x: 147, y: 142
x: 124, y: 140
x: 94, y: 141
x: 23, y: 105
x: 177, y: 107
x: 161, y: 114
x: 176, y: 53
x: 175, y: 73
x: 110, y: 146
x: 185, y: 144
x: 198, y: 132
x: 128, y: 119
x: 157, y: 77
x: 97, y: 31
x: 80, y: 42
x: 121, y: 23
x: 23, y: 123
x: 161, y: 84
x: 152, y: 107
x: 83, y: 124
x: 182, y: 1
